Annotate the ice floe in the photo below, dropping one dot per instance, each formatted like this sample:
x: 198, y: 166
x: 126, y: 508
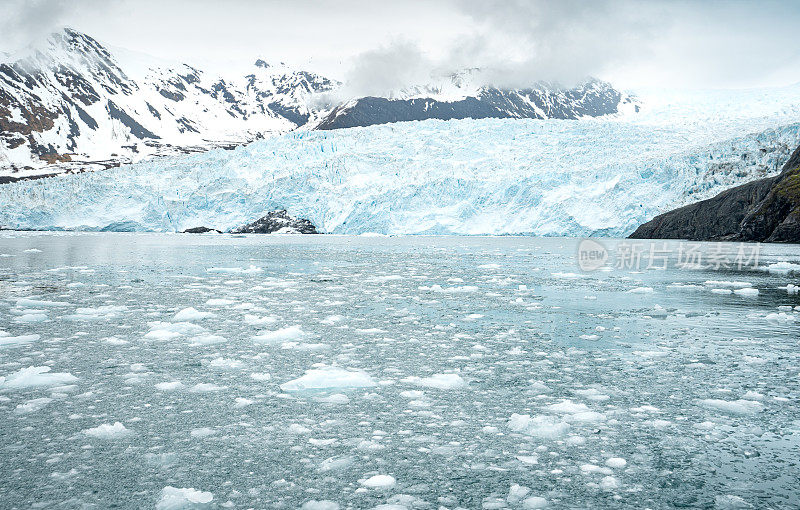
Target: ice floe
x: 33, y: 377
x: 174, y: 498
x: 108, y: 431
x: 329, y: 377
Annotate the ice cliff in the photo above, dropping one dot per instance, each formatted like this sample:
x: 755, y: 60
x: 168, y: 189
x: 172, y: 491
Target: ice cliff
x: 494, y: 176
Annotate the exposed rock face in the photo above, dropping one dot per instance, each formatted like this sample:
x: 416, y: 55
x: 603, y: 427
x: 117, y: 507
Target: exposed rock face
x: 766, y: 210
x: 277, y: 222
x: 200, y: 230
x: 590, y: 99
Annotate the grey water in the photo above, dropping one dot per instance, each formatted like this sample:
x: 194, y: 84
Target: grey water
x: 470, y: 372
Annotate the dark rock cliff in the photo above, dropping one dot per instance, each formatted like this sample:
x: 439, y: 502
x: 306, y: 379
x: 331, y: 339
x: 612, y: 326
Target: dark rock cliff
x: 766, y: 210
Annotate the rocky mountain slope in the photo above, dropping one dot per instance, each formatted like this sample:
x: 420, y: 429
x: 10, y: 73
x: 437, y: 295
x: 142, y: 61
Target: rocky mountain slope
x: 592, y: 98
x: 73, y: 105
x: 74, y: 101
x: 766, y: 210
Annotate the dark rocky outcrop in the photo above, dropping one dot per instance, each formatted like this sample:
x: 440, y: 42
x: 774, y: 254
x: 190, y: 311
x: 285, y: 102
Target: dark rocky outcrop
x: 766, y: 210
x: 200, y: 230
x: 277, y: 221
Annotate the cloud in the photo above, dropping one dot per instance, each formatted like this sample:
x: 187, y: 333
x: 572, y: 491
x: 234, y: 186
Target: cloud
x: 671, y: 43
x: 516, y: 43
x: 24, y: 22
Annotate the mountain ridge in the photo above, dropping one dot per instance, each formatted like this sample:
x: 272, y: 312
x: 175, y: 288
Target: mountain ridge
x: 72, y: 105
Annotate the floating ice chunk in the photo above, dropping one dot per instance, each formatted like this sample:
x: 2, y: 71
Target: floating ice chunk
x: 32, y: 405
x: 458, y: 289
x: 753, y: 395
x: 225, y: 363
x: 746, y: 292
x: 592, y: 394
x: 207, y: 340
x: 98, y: 313
x: 32, y: 250
x: 568, y: 276
x: 609, y: 483
x: 740, y: 406
x: 320, y: 505
x: 31, y: 317
x: 684, y: 286
x: 780, y: 318
x: 202, y: 432
x: 296, y: 428
x: 302, y: 346
x: 516, y: 493
x: 169, y: 386
x: 171, y: 330
x: 280, y: 335
x: 190, y: 314
x: 721, y: 291
x: 730, y: 502
x: 385, y: 278
x: 534, y: 502
x: 782, y: 268
x: 329, y: 377
x: 219, y: 302
x: 370, y: 331
x: 336, y: 463
x: 161, y: 335
x: 616, y: 462
x: 173, y: 498
x: 438, y: 381
x: 260, y: 376
x: 206, y: 388
x: 538, y: 386
x: 108, y: 431
x: 379, y: 482
x: 236, y: 270
x: 7, y: 342
x: 37, y: 303
x: 727, y: 283
x: 242, y: 402
x: 593, y: 468
x: 332, y: 319
x: 545, y: 427
x: 791, y: 289
x: 589, y: 337
x: 33, y: 377
x: 568, y: 407
x: 641, y: 290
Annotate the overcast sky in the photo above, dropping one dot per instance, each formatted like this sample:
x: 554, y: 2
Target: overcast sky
x: 382, y: 44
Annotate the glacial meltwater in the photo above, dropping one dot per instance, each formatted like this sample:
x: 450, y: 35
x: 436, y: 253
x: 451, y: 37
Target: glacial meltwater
x: 331, y: 372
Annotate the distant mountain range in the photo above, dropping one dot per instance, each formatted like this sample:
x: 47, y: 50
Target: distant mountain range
x: 74, y: 105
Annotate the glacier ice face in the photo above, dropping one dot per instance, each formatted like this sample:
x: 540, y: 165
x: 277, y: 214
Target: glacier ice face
x: 494, y: 176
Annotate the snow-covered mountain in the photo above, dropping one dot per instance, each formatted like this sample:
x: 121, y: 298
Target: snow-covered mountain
x: 591, y: 176
x: 74, y: 101
x: 73, y: 105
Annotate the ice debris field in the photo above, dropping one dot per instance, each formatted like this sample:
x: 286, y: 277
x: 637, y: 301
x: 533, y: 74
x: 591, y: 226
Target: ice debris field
x: 332, y: 373
x: 597, y: 176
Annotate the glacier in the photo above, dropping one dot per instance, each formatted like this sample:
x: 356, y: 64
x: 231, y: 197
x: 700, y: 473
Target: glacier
x: 592, y: 176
